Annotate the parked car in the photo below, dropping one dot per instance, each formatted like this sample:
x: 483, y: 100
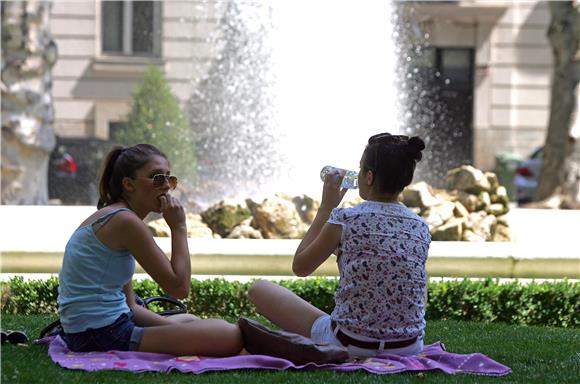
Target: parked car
x: 73, y: 170
x: 526, y: 177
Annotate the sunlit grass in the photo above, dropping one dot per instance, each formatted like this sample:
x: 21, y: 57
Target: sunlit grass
x: 535, y: 354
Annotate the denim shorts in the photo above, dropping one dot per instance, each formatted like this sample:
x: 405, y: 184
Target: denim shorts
x: 322, y: 333
x: 122, y: 335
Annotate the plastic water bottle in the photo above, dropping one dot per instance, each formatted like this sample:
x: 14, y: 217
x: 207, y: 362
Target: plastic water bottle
x: 350, y: 180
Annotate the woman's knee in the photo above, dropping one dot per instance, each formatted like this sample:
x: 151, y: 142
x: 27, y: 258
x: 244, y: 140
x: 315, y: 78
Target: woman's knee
x: 220, y: 337
x: 258, y: 289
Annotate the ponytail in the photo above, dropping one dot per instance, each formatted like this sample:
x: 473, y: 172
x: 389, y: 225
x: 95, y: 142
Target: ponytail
x: 108, y: 194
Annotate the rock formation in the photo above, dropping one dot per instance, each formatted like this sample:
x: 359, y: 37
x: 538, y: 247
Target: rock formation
x: 472, y: 208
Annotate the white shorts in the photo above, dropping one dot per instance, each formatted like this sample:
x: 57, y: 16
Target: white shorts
x: 321, y: 333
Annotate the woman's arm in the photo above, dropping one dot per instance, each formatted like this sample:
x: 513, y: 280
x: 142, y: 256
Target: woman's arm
x: 322, y: 238
x: 142, y: 316
x: 173, y: 275
x: 307, y: 259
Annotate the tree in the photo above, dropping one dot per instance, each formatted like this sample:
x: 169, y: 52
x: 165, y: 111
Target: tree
x: 156, y: 118
x: 28, y: 54
x: 564, y: 35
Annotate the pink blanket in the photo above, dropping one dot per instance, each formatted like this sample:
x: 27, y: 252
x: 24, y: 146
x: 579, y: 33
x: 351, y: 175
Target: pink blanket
x: 433, y: 357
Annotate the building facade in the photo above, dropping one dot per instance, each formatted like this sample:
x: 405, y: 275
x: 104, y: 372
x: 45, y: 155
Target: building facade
x: 105, y: 47
x: 512, y: 69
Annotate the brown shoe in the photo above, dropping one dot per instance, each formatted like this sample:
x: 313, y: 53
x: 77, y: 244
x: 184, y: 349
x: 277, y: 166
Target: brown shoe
x: 300, y: 350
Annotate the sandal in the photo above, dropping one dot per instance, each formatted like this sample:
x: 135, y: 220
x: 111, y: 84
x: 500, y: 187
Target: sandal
x: 14, y: 337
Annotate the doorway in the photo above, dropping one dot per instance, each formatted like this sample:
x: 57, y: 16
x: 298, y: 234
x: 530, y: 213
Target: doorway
x: 445, y: 115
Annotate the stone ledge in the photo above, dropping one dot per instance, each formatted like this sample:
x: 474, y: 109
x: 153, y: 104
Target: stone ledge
x: 547, y: 246
x: 280, y: 265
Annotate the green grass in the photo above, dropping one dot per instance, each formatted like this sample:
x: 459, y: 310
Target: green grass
x: 535, y: 354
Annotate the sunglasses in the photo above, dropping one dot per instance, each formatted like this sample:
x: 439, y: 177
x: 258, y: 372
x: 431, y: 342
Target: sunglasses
x: 160, y: 179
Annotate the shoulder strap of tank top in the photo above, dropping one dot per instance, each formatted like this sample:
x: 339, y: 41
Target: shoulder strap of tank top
x: 98, y: 223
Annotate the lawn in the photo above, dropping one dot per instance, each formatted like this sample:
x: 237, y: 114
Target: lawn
x: 535, y: 354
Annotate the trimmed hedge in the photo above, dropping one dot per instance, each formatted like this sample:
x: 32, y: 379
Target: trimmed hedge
x: 549, y: 303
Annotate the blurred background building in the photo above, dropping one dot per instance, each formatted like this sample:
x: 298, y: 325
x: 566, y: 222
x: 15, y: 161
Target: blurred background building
x: 491, y: 60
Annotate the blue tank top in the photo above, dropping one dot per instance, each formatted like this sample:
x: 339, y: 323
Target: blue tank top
x: 90, y: 292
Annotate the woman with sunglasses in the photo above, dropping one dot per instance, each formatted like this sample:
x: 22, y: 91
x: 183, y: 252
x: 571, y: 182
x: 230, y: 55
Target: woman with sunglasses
x: 96, y: 301
x: 382, y: 249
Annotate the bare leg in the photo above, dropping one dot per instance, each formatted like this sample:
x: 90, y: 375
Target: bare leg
x: 211, y: 337
x: 283, y: 307
x: 182, y: 318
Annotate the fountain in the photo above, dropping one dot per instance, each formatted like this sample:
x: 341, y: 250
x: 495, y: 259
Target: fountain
x: 294, y: 89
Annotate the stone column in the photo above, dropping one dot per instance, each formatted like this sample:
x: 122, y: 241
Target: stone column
x: 28, y: 54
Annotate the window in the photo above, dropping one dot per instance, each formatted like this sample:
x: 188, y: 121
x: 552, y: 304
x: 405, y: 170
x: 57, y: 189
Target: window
x: 115, y: 127
x: 130, y: 27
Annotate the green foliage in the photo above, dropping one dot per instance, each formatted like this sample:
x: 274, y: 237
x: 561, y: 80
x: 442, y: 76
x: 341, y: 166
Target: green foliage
x: 29, y: 297
x: 547, y: 304
x: 156, y: 118
x: 220, y: 298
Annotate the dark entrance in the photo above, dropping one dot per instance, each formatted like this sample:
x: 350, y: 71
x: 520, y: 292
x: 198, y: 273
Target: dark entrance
x: 444, y: 116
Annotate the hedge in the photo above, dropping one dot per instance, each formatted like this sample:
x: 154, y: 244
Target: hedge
x: 548, y: 303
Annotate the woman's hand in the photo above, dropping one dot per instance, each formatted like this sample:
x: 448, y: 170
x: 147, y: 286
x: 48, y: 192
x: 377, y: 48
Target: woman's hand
x: 172, y: 211
x: 332, y: 194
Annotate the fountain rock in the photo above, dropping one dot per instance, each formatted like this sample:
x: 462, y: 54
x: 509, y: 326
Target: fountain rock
x: 460, y: 210
x: 224, y: 216
x: 449, y: 231
x: 468, y: 214
x: 246, y: 231
x: 469, y: 179
x: 468, y: 200
x: 438, y: 214
x: 420, y: 195
x: 501, y: 233
x: 471, y: 209
x: 196, y: 228
x: 277, y: 218
x: 306, y: 207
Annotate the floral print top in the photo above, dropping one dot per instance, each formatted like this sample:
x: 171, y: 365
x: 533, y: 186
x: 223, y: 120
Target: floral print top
x: 383, y: 280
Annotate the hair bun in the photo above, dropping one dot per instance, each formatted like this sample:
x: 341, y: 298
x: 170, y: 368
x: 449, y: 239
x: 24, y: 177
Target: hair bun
x: 416, y: 145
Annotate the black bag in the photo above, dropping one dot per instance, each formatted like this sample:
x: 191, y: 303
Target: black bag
x: 55, y: 328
